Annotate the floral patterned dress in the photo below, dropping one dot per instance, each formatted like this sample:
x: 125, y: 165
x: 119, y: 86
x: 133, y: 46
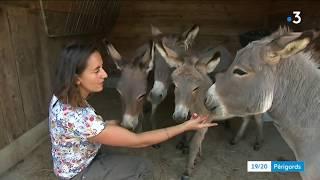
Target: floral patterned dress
x: 70, y: 129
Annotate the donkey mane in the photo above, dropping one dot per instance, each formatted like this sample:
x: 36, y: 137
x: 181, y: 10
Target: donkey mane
x: 282, y: 30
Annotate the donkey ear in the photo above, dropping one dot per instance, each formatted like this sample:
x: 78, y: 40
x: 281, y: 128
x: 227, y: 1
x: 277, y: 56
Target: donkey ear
x: 147, y: 60
x: 155, y: 31
x: 286, y: 46
x: 188, y: 36
x: 114, y: 54
x: 209, y: 60
x: 171, y: 57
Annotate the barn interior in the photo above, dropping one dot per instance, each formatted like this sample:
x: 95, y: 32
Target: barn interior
x: 32, y: 34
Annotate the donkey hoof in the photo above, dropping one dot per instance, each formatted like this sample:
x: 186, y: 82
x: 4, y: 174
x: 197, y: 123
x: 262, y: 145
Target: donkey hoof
x: 156, y: 146
x: 185, y: 150
x: 257, y: 146
x: 227, y: 125
x: 179, y: 146
x: 185, y: 176
x: 197, y: 160
x: 281, y: 158
x: 233, y: 142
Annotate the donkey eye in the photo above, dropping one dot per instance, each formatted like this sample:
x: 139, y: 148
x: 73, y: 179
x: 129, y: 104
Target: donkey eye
x: 239, y: 72
x: 141, y: 96
x: 195, y: 89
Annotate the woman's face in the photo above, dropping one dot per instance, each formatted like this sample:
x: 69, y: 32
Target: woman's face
x: 91, y: 79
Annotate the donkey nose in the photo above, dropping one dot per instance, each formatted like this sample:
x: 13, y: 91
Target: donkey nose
x: 156, y: 97
x: 125, y: 125
x: 160, y: 97
x: 178, y: 118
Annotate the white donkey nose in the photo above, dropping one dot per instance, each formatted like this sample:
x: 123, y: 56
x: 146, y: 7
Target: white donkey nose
x: 129, y: 121
x: 158, y: 92
x: 180, y: 112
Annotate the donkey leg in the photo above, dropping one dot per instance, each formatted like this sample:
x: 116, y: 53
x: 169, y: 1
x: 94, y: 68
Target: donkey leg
x: 184, y: 142
x: 153, y: 122
x: 139, y: 127
x: 195, y: 146
x: 152, y: 117
x: 156, y: 146
x: 188, y: 138
x: 240, y: 132
x: 259, y: 140
x: 181, y: 143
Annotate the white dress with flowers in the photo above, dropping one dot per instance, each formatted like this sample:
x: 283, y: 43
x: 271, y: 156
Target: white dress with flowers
x: 70, y: 129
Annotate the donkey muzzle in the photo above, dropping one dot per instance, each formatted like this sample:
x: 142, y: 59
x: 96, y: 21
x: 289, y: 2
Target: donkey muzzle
x: 129, y: 122
x: 181, y: 113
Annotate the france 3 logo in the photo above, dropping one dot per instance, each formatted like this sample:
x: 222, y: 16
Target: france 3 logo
x: 295, y: 18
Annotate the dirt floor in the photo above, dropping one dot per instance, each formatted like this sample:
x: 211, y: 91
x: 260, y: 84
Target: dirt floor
x: 220, y: 160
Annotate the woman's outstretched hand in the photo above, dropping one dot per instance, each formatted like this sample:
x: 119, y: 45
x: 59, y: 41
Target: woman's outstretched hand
x: 198, y: 122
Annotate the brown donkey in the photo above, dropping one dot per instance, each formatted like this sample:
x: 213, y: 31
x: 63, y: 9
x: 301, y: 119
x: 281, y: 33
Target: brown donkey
x: 132, y: 85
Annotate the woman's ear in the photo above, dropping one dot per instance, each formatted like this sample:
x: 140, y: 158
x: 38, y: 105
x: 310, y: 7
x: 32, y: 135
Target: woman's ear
x: 77, y: 80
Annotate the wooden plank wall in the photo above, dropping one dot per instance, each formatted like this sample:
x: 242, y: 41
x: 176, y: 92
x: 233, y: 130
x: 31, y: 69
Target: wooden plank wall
x: 220, y: 21
x: 27, y: 61
x: 25, y: 78
x: 310, y: 14
x: 13, y: 120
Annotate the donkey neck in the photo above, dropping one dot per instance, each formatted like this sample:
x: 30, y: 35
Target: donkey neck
x: 296, y: 102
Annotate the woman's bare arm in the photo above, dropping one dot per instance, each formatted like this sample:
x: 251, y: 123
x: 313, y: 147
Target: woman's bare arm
x: 114, y: 135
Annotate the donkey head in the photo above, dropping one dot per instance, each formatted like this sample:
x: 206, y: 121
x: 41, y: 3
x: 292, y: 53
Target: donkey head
x: 175, y: 45
x: 191, y: 80
x: 132, y: 85
x: 249, y: 85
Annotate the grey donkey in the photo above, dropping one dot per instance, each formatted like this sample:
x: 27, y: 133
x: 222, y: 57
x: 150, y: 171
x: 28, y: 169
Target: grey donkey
x: 169, y: 52
x: 224, y: 64
x: 191, y: 82
x: 177, y: 45
x: 132, y: 85
x: 277, y: 76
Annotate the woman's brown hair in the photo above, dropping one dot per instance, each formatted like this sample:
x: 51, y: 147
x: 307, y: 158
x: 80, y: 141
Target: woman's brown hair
x: 73, y: 61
